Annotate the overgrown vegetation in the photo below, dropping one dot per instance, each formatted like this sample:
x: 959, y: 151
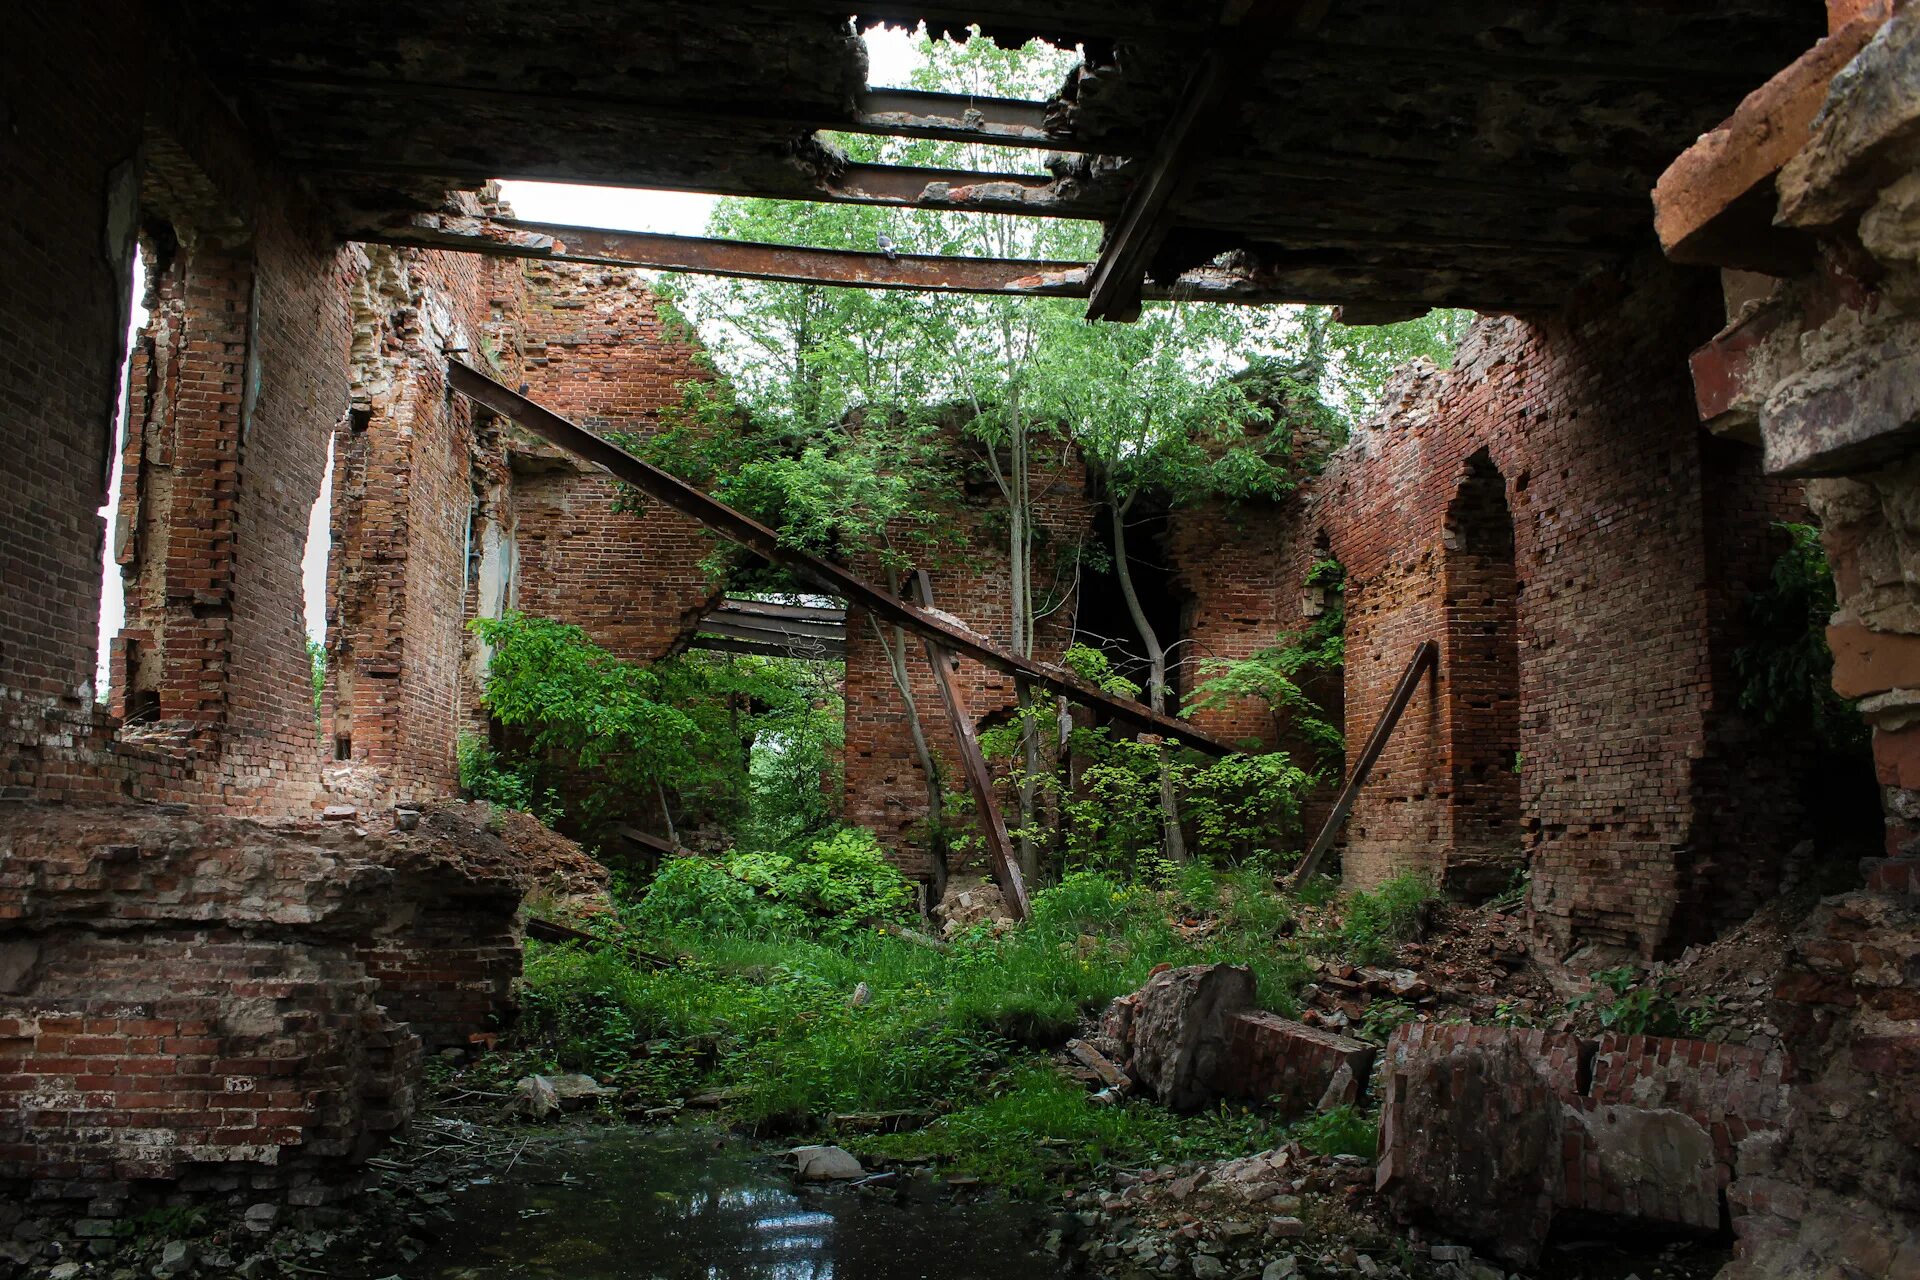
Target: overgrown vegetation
x: 748, y: 741
x: 771, y: 991
x: 1786, y: 666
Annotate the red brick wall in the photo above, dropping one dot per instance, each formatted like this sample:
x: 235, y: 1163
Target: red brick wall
x: 73, y: 107
x: 1617, y: 512
x: 600, y: 352
x: 885, y: 788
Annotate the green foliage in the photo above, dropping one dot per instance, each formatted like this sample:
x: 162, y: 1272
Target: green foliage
x: 1341, y: 1131
x: 1374, y: 923
x: 317, y: 664
x: 1036, y: 1129
x: 1638, y: 1007
x: 828, y: 887
x: 1274, y: 675
x: 1383, y: 1017
x: 1786, y: 667
x: 485, y: 776
x: 615, y: 735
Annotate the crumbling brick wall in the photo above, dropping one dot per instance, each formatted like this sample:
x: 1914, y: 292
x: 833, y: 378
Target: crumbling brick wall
x: 602, y: 351
x: 1582, y: 426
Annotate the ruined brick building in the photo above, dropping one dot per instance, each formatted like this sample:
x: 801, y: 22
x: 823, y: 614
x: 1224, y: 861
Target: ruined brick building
x: 226, y: 938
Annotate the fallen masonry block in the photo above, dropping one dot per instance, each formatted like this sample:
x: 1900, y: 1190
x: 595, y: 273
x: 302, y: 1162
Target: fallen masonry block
x: 1192, y: 1035
x: 1300, y: 1068
x: 1174, y: 1030
x: 1490, y: 1132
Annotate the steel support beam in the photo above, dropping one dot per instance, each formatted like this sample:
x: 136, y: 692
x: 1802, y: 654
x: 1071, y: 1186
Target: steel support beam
x: 512, y: 238
x: 744, y: 531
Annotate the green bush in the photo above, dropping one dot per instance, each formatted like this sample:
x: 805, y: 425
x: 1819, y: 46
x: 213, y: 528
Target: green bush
x: 1342, y: 1131
x: 829, y: 887
x: 1374, y: 923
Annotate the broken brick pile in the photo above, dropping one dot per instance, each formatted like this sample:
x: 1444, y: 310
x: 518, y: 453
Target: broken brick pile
x: 1192, y: 1035
x: 1494, y: 1131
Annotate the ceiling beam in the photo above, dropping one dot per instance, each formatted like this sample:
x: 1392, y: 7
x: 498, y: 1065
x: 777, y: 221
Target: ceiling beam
x: 1248, y: 32
x: 906, y: 113
x: 1135, y: 236
x: 1032, y: 195
x: 552, y: 242
x: 744, y: 531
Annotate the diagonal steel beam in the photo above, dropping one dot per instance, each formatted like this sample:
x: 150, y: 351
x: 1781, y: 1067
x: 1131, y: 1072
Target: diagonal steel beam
x: 744, y: 531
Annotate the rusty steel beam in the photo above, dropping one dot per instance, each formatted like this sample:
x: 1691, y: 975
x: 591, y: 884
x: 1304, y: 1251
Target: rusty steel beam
x: 510, y: 237
x: 1425, y: 658
x: 1024, y: 277
x: 744, y: 531
x: 953, y: 117
x: 993, y: 827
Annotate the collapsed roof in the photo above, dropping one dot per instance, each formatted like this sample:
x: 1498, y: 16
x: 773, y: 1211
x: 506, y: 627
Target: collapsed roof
x: 1482, y: 153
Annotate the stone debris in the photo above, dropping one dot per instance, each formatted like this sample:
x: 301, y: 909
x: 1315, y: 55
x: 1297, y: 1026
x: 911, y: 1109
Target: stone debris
x: 825, y: 1164
x: 535, y: 1098
x: 1491, y: 1132
x: 1174, y: 1030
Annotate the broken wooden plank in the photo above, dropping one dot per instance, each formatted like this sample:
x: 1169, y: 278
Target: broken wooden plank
x: 829, y: 578
x: 1424, y: 658
x: 986, y: 806
x: 905, y: 113
x: 1133, y: 238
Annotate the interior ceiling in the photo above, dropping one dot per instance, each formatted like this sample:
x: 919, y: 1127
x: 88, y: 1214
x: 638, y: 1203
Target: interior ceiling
x: 1482, y: 153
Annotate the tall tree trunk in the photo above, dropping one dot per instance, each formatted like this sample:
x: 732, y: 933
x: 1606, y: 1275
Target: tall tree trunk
x: 1020, y: 582
x: 1176, y: 842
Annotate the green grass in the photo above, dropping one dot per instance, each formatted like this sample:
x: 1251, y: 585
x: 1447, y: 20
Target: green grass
x: 769, y: 1019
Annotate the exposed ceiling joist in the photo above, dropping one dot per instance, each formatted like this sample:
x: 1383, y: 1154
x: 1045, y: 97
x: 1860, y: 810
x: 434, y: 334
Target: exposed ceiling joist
x: 906, y: 113
x: 1033, y: 195
x: 1133, y: 239
x: 1249, y: 29
x: 512, y: 238
x: 954, y: 117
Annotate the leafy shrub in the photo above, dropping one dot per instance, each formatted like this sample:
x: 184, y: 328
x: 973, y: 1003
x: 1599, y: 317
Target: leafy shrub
x: 829, y: 887
x: 1342, y: 1131
x: 1641, y: 1008
x: 1786, y: 667
x: 1375, y: 922
x: 484, y: 775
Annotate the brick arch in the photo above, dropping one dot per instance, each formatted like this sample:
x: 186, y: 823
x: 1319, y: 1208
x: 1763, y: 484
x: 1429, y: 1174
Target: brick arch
x: 1480, y: 662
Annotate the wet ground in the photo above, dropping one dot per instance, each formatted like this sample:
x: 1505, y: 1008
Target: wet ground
x: 623, y: 1204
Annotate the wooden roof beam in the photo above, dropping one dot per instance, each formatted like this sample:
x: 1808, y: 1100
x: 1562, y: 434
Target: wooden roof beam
x: 1248, y: 30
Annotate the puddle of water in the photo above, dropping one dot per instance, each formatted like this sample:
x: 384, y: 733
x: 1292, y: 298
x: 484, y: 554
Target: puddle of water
x: 619, y: 1204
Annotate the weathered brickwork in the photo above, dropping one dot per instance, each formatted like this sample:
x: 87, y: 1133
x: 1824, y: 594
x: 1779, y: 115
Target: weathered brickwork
x: 66, y: 233
x: 600, y: 352
x: 182, y: 993
x: 1494, y: 1132
x: 885, y: 787
x: 1542, y: 511
x: 1290, y: 1065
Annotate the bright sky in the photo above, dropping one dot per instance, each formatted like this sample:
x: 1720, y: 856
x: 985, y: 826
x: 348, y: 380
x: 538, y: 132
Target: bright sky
x: 891, y: 58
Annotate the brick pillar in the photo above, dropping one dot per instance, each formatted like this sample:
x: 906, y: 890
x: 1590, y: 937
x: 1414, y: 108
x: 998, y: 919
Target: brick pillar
x: 179, y: 509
